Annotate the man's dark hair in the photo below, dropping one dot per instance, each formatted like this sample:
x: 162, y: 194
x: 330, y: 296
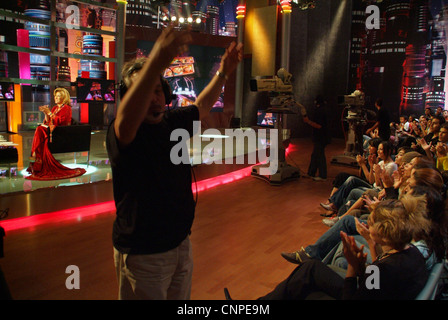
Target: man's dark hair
x: 440, y: 118
x: 136, y: 65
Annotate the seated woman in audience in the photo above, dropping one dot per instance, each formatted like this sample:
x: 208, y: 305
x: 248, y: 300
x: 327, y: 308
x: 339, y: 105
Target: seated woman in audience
x: 394, y: 188
x: 44, y: 166
x: 340, y: 197
x: 423, y: 122
x: 426, y: 177
x: 400, y: 267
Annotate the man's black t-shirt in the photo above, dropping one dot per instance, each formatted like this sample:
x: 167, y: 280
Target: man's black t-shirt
x: 318, y: 115
x: 153, y: 196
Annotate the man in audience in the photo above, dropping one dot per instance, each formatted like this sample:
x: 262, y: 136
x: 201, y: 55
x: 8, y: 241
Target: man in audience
x: 383, y: 121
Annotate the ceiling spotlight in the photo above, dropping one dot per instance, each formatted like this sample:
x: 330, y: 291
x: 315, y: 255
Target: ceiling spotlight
x: 198, y: 20
x: 181, y: 19
x: 173, y: 18
x: 190, y: 19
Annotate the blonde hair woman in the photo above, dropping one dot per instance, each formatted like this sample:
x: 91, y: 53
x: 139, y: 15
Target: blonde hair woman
x: 398, y: 270
x: 44, y: 166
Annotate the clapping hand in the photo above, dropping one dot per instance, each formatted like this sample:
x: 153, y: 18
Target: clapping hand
x: 397, y: 175
x: 370, y: 203
x: 355, y: 256
x: 372, y: 160
x: 441, y: 149
x: 45, y: 109
x: 386, y: 179
x: 360, y: 159
x: 362, y: 229
x: 171, y: 43
x: 377, y: 169
x: 422, y: 142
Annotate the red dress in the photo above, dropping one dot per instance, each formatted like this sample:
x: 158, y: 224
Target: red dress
x: 46, y: 167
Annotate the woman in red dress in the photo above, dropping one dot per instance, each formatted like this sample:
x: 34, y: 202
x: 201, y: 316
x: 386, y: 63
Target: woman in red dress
x: 44, y: 166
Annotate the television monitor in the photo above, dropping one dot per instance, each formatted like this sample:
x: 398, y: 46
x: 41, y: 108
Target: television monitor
x: 95, y: 90
x: 32, y: 117
x: 7, y: 91
x: 266, y: 119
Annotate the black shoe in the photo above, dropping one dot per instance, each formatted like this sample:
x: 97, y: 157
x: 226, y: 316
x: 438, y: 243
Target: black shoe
x: 328, y: 214
x: 227, y: 294
x: 297, y: 257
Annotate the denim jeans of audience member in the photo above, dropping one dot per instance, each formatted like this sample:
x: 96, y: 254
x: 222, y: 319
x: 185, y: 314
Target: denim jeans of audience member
x: 352, y: 197
x: 332, y: 237
x: 338, y: 198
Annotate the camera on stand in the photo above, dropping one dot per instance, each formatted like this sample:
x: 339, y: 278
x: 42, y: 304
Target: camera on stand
x: 281, y: 102
x: 357, y: 119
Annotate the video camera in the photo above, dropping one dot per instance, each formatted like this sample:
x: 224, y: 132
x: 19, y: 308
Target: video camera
x: 355, y: 99
x: 281, y: 91
x: 355, y: 103
x: 280, y: 83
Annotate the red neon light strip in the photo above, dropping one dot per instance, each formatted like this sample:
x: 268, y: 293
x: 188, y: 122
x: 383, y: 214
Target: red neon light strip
x: 79, y: 213
x: 58, y: 216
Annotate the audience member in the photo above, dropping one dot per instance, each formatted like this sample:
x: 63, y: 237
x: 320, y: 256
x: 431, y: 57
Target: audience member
x: 402, y: 268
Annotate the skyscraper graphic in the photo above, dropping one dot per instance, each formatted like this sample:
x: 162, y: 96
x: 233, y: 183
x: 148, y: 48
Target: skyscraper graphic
x: 213, y: 20
x: 404, y: 60
x: 414, y: 67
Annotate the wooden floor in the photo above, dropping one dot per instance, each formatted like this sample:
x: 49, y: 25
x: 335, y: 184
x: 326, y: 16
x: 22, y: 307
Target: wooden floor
x: 238, y: 234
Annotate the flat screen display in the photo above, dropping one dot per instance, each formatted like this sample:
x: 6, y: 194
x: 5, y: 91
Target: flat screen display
x: 32, y: 117
x: 95, y: 90
x: 266, y: 119
x: 7, y: 91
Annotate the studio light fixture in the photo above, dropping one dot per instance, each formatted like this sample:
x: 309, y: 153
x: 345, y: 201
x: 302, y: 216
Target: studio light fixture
x: 286, y: 6
x: 240, y: 11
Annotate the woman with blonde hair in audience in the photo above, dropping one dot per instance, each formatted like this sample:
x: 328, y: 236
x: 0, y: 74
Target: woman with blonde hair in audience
x: 400, y: 267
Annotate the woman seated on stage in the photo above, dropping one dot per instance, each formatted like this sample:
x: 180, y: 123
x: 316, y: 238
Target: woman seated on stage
x: 44, y: 166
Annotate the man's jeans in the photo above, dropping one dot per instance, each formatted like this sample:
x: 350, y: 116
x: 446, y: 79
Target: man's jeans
x: 332, y: 237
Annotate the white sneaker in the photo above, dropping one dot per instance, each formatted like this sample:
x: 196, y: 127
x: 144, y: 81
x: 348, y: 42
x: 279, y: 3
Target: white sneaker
x: 330, y: 221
